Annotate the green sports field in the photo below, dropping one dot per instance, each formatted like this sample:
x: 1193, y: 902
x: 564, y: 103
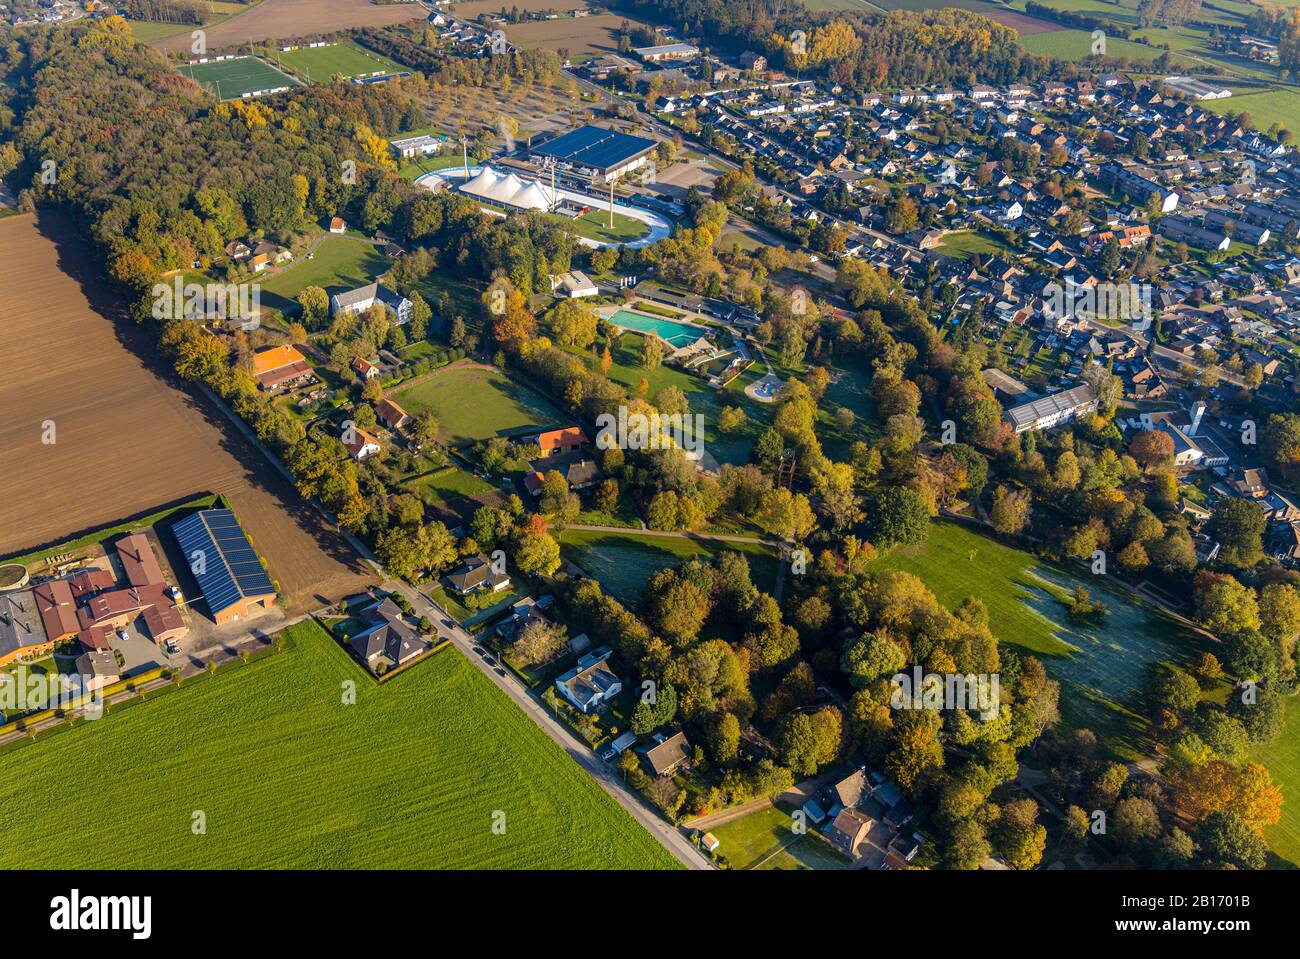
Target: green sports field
x: 231, y: 79
x: 476, y: 404
x: 318, y: 64
x: 1102, y: 666
x: 287, y: 776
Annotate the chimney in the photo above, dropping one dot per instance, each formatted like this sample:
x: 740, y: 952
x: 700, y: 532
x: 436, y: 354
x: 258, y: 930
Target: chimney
x: 1198, y: 410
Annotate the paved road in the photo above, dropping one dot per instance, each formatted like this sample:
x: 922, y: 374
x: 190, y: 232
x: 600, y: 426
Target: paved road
x: 449, y: 628
x: 669, y: 534
x: 606, y: 775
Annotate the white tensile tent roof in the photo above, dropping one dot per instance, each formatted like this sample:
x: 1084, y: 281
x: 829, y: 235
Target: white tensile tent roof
x: 508, y: 190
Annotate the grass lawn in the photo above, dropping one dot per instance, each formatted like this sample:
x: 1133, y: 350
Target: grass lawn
x: 447, y: 484
x: 968, y: 243
x: 724, y: 447
x: 624, y: 561
x: 473, y: 405
x: 1265, y: 108
x: 1283, y: 760
x: 1077, y: 45
x: 594, y: 225
x: 287, y: 776
x: 318, y: 64
x: 1102, y: 666
x: 340, y: 263
x: 146, y: 31
x: 421, y: 165
x: 765, y: 840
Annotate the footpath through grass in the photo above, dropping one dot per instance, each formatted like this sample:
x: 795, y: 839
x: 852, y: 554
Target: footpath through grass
x: 288, y: 776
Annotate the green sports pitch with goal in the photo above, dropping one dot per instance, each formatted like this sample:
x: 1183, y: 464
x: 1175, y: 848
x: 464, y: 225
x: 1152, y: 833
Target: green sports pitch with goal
x: 231, y: 79
x: 318, y: 64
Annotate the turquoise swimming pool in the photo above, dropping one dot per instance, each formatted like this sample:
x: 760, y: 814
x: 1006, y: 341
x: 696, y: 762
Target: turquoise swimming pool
x: 670, y: 331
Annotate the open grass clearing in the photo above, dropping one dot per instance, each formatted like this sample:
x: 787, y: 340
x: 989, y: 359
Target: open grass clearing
x: 624, y: 561
x: 1102, y: 665
x: 477, y: 404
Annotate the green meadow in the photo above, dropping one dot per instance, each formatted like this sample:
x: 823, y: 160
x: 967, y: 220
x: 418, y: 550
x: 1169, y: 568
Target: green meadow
x: 284, y: 774
x: 1102, y: 665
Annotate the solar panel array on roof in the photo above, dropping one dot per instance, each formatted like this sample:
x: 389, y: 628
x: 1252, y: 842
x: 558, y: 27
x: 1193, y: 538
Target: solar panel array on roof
x: 221, y: 558
x: 595, y: 147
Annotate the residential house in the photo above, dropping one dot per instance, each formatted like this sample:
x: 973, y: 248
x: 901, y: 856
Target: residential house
x: 364, y: 297
x: 591, y: 683
x: 849, y: 831
x: 359, y: 443
x: 388, y: 640
x: 476, y: 575
x: 665, y: 757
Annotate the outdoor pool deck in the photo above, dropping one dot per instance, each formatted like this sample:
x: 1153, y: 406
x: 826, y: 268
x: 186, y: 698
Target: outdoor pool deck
x: 672, y: 332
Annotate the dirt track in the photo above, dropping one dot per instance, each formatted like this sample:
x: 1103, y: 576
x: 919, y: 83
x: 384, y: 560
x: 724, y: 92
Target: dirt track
x: 129, y: 437
x: 283, y: 19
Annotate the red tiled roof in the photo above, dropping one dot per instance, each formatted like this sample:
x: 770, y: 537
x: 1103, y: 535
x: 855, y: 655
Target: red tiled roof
x: 57, y: 608
x: 559, y: 439
x: 138, y: 561
x: 89, y: 582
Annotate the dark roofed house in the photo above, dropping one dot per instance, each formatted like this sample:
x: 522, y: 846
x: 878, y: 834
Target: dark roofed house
x: 478, y: 574
x: 665, y: 757
x: 389, y: 641
x: 22, y: 634
x: 848, y: 792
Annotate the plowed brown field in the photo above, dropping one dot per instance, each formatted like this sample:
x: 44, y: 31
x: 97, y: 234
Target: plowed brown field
x: 129, y: 436
x: 285, y: 19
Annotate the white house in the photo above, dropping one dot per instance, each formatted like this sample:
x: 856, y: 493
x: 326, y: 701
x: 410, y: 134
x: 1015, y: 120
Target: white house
x: 573, y: 285
x: 591, y: 682
x: 364, y: 297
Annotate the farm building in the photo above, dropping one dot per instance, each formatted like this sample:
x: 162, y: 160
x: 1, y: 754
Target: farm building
x: 278, y: 366
x: 228, y: 571
x: 608, y: 153
x: 21, y: 634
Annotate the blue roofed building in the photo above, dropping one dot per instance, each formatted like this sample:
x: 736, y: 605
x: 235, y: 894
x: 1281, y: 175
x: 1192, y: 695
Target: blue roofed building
x: 596, y: 152
x: 228, y: 571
